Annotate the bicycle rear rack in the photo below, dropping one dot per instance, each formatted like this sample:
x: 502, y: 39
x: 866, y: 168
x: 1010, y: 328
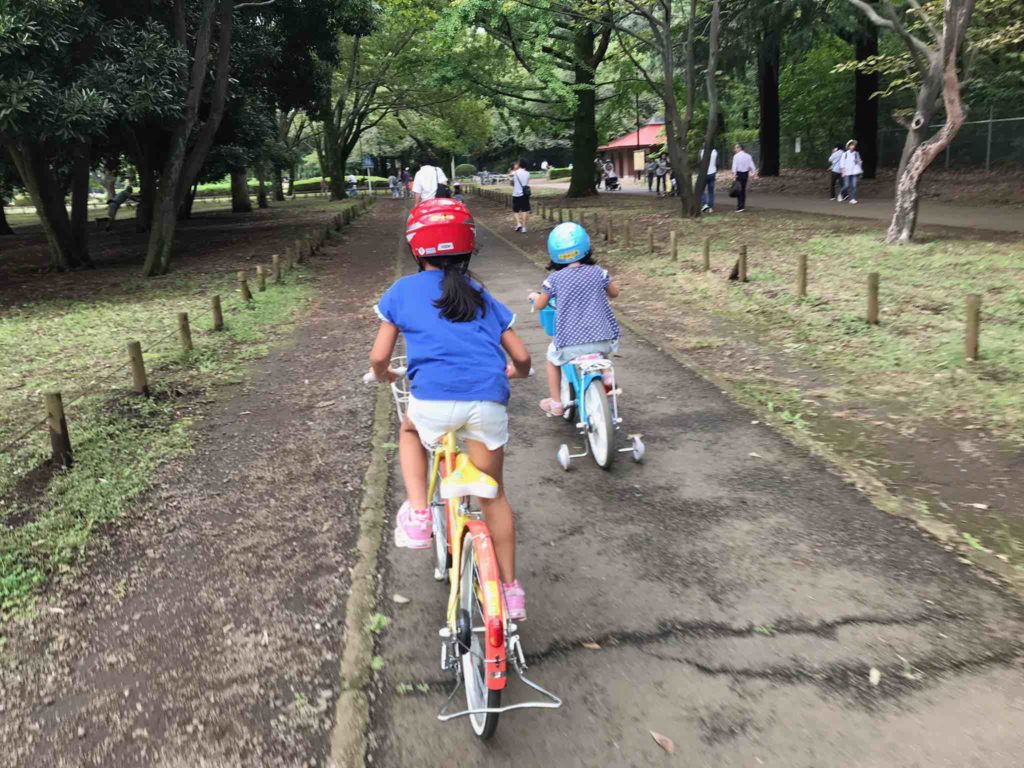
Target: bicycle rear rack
x: 518, y: 664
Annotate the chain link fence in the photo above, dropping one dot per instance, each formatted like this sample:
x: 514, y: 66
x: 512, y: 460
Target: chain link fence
x: 979, y: 145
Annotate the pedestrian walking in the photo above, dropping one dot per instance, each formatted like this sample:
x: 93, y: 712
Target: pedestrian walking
x: 406, y: 182
x: 520, y: 195
x: 429, y: 182
x: 851, y: 168
x: 393, y: 186
x: 544, y: 165
x: 835, y: 163
x: 707, y: 197
x: 649, y: 170
x: 114, y: 204
x: 661, y: 170
x: 742, y: 169
x: 609, y: 173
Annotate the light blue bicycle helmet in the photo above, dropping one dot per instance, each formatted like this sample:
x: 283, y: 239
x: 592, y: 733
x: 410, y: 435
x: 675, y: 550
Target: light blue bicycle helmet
x: 567, y: 243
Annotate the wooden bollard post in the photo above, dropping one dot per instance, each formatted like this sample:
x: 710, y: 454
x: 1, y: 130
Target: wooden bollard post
x: 275, y: 268
x: 60, y: 442
x: 707, y: 254
x: 628, y: 241
x: 743, y: 264
x: 243, y: 287
x: 185, y: 333
x: 971, y: 341
x: 560, y: 214
x: 873, y: 298
x: 650, y: 239
x: 608, y: 232
x: 261, y: 278
x: 299, y: 251
x: 218, y: 314
x: 140, y: 383
x: 801, y: 275
x: 673, y: 245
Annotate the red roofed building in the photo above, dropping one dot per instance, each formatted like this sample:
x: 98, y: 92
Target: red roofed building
x: 628, y: 153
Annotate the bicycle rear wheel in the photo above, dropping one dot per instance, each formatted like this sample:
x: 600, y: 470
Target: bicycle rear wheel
x: 474, y: 655
x: 439, y: 522
x: 599, y: 420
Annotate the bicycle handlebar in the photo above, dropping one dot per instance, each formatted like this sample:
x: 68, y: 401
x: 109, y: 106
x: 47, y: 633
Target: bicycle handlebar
x: 370, y: 378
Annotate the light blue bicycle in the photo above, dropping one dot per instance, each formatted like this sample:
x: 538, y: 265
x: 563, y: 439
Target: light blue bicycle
x: 590, y: 399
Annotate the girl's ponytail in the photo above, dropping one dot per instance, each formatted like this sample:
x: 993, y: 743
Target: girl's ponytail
x: 460, y: 300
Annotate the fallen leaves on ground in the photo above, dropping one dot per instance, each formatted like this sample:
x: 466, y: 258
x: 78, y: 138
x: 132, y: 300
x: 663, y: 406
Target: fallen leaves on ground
x: 664, y: 742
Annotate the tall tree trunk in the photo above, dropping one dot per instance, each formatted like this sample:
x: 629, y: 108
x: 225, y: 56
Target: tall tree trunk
x: 584, y: 126
x: 865, y: 112
x: 714, y: 118
x: 291, y: 180
x: 240, y: 202
x: 5, y: 228
x: 147, y: 192
x: 768, y: 97
x: 80, y: 203
x: 261, y: 192
x: 181, y: 167
x: 109, y: 183
x: 48, y: 197
x: 278, y: 184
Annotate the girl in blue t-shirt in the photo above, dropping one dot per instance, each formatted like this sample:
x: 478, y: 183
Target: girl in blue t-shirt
x: 584, y: 321
x: 457, y: 336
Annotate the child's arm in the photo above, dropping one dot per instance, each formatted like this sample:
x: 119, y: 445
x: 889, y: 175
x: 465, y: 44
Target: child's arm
x: 540, y: 300
x: 383, y: 349
x: 613, y: 289
x: 520, y: 355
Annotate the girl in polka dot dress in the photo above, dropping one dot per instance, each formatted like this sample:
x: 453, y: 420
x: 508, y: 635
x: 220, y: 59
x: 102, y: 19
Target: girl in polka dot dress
x: 584, y: 321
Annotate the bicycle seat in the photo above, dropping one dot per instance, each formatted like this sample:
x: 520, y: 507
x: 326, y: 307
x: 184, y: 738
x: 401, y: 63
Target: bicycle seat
x: 587, y: 358
x: 467, y: 480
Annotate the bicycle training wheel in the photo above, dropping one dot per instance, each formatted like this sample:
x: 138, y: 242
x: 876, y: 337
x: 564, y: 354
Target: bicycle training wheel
x: 600, y: 428
x: 474, y: 658
x: 568, y: 395
x: 439, y: 522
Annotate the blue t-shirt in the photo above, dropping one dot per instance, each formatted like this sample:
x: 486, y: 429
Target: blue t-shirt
x: 584, y: 314
x: 448, y: 361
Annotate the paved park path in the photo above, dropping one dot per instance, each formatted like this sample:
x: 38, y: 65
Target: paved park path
x: 931, y: 213
x: 739, y: 591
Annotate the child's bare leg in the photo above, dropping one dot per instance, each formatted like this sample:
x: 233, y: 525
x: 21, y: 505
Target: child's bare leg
x: 413, y: 458
x: 555, y: 382
x: 497, y: 511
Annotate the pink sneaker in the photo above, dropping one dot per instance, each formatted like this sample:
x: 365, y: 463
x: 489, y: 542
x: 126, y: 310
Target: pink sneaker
x: 412, y: 528
x: 515, y: 600
x: 551, y: 407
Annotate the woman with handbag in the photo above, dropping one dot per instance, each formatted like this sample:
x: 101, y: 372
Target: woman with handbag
x: 520, y: 195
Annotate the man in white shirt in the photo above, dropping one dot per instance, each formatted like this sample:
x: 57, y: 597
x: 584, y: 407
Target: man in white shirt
x: 426, y: 182
x: 707, y: 197
x: 742, y: 167
x: 544, y: 165
x: 835, y: 163
x: 520, y: 195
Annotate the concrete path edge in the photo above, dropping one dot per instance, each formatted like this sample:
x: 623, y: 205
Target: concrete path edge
x: 352, y: 711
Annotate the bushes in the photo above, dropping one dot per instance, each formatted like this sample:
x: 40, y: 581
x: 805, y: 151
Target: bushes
x: 559, y: 173
x: 464, y: 170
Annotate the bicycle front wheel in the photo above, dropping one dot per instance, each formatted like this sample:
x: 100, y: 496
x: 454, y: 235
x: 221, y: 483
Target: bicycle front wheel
x: 474, y: 652
x: 600, y: 429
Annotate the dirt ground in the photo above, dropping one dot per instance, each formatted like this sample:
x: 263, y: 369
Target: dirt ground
x: 206, y: 631
x: 210, y: 242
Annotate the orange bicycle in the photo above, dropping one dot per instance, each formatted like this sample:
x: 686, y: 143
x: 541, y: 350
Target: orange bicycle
x: 478, y: 641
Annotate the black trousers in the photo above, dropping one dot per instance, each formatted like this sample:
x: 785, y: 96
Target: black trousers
x: 741, y: 200
x: 836, y: 179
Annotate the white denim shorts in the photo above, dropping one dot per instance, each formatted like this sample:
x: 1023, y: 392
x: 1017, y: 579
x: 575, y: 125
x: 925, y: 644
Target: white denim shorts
x: 481, y: 420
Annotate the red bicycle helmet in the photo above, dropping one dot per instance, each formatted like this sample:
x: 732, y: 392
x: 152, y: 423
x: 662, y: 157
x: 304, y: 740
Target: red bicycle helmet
x: 440, y: 227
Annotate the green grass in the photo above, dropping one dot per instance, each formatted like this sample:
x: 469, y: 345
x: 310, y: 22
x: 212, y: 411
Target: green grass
x: 915, y: 357
x: 119, y: 439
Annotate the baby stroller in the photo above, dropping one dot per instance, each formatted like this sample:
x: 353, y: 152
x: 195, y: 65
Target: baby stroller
x: 611, y: 183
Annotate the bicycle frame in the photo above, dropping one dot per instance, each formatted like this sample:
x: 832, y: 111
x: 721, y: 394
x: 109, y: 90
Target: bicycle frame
x: 460, y: 525
x: 580, y: 377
